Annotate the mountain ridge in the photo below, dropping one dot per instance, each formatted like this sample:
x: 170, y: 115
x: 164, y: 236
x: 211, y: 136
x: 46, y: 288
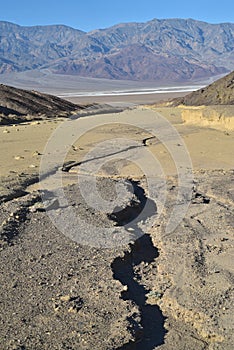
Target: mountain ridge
x: 194, y: 45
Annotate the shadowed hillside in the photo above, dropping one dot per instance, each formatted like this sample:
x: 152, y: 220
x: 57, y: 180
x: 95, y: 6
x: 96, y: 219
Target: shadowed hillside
x: 20, y: 105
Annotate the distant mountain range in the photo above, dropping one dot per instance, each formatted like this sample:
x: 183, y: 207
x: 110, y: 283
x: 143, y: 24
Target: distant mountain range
x: 170, y: 50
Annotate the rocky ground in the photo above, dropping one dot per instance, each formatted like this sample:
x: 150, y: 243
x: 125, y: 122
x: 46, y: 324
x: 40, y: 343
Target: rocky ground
x: 161, y: 291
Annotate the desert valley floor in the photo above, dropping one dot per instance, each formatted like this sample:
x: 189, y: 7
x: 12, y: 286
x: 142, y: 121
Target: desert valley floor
x: 162, y: 290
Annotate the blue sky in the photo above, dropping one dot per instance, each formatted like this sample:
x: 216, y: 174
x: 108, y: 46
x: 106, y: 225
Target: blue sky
x: 90, y: 14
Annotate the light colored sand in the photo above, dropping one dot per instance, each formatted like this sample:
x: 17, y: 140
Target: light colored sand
x: 126, y: 100
x: 219, y: 117
x: 208, y: 148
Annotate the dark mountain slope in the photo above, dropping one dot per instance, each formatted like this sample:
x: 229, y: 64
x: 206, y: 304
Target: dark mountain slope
x: 17, y: 103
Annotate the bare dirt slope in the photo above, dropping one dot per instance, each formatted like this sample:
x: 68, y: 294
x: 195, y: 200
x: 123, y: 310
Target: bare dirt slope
x: 221, y: 92
x: 211, y: 106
